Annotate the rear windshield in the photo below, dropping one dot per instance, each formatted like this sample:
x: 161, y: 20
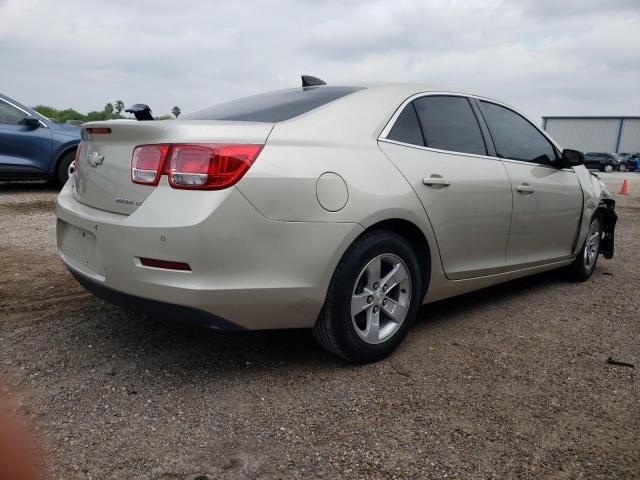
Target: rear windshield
x: 273, y: 106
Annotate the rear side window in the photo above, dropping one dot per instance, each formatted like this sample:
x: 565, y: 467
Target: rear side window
x: 514, y: 137
x: 407, y: 128
x: 275, y: 106
x: 449, y: 123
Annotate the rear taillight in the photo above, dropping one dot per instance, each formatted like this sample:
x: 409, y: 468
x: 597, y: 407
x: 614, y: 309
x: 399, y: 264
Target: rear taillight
x: 211, y: 167
x: 79, y: 152
x: 193, y: 166
x: 147, y: 163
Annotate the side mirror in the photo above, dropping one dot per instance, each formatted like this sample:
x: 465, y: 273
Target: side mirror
x: 572, y: 158
x: 31, y: 121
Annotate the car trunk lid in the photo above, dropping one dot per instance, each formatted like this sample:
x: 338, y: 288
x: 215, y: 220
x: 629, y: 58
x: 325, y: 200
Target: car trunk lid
x: 102, y: 178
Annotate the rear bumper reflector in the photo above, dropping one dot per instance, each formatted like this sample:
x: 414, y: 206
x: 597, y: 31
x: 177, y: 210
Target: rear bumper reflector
x: 167, y: 264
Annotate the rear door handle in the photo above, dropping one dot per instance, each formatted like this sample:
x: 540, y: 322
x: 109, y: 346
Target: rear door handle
x: 525, y: 188
x: 436, y: 181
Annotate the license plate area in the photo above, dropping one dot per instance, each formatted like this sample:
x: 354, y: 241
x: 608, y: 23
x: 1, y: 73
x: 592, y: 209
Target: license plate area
x: 78, y: 248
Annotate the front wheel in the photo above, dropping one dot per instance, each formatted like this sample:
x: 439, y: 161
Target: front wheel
x: 608, y: 168
x: 372, y: 299
x: 585, y: 263
x: 622, y: 168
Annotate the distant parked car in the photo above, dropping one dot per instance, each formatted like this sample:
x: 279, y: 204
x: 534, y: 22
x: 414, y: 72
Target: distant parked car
x: 605, y: 162
x: 32, y: 147
x: 626, y: 161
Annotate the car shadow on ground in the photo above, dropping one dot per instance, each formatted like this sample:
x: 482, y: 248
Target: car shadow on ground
x: 171, y: 344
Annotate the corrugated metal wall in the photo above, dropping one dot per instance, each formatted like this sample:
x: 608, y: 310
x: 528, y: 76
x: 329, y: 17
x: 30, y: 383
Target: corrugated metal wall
x: 630, y: 137
x: 585, y: 134
x: 596, y: 134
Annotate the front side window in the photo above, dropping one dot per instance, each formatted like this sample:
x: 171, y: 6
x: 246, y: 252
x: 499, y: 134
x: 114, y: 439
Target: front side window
x: 10, y: 115
x: 448, y: 123
x: 514, y: 137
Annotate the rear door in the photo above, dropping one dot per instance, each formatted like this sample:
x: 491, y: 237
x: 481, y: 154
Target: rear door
x: 437, y: 143
x: 24, y: 151
x: 547, y: 200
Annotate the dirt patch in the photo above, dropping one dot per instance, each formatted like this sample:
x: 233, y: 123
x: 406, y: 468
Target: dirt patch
x: 27, y: 207
x: 508, y: 382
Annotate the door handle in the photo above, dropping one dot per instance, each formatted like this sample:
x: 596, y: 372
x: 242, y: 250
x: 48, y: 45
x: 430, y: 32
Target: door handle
x: 436, y: 181
x: 525, y: 188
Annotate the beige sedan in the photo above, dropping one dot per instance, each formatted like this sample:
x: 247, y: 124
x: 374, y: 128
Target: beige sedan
x: 336, y: 208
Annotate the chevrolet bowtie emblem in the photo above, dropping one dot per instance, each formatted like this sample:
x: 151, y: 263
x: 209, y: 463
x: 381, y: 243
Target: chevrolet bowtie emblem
x: 95, y: 159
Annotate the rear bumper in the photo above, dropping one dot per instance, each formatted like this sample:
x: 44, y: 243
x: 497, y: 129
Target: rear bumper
x: 158, y: 309
x: 254, y: 272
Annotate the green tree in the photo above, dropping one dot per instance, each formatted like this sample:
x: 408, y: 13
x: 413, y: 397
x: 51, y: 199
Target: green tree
x: 108, y: 109
x: 176, y: 111
x: 69, y: 114
x: 119, y: 107
x: 47, y: 111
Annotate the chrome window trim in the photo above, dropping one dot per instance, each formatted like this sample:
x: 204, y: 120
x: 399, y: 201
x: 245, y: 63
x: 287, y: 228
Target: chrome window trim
x: 485, y: 157
x: 22, y: 110
x: 387, y: 129
x: 437, y: 150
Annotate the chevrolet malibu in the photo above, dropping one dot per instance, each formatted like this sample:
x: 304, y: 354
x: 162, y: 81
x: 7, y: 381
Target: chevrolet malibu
x: 335, y: 208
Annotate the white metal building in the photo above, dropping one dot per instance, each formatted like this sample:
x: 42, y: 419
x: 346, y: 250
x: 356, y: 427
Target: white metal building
x: 595, y: 134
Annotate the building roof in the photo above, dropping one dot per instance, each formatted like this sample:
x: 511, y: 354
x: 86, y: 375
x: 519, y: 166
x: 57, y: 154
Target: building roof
x: 588, y: 117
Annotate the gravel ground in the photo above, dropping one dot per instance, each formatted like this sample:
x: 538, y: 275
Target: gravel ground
x: 508, y: 382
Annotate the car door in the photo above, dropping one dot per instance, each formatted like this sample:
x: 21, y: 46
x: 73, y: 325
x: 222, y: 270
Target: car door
x: 24, y: 151
x: 547, y: 200
x: 437, y: 143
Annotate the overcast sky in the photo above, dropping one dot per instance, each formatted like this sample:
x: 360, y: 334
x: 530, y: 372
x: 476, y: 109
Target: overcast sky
x: 545, y: 57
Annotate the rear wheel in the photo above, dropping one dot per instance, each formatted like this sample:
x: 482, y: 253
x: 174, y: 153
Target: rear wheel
x: 65, y: 168
x: 372, y: 299
x: 585, y: 263
x: 622, y: 167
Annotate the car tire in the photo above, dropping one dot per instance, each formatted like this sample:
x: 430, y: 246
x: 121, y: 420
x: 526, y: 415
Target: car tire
x: 585, y: 263
x: 622, y: 168
x: 608, y: 168
x: 63, y: 169
x: 363, y: 318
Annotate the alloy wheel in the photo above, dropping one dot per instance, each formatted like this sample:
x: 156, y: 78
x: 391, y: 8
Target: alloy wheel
x: 381, y: 298
x: 592, y: 245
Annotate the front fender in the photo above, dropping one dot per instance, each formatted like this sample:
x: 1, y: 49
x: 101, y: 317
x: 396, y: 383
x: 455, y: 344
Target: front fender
x: 596, y: 198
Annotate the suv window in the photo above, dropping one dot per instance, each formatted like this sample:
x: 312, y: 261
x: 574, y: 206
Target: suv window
x: 10, y: 115
x: 273, y: 106
x: 515, y: 137
x: 448, y: 123
x: 407, y: 127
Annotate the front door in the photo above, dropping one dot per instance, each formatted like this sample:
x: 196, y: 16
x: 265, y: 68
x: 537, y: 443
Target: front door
x: 547, y: 200
x: 24, y: 150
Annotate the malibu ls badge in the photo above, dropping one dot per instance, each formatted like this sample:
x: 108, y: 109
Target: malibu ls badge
x: 127, y: 201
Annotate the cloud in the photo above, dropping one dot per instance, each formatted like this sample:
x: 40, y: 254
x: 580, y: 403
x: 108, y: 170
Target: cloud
x: 542, y: 56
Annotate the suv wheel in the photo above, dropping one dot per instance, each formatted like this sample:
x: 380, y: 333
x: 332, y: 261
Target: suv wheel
x: 372, y: 299
x: 608, y: 168
x: 585, y: 263
x: 65, y: 168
